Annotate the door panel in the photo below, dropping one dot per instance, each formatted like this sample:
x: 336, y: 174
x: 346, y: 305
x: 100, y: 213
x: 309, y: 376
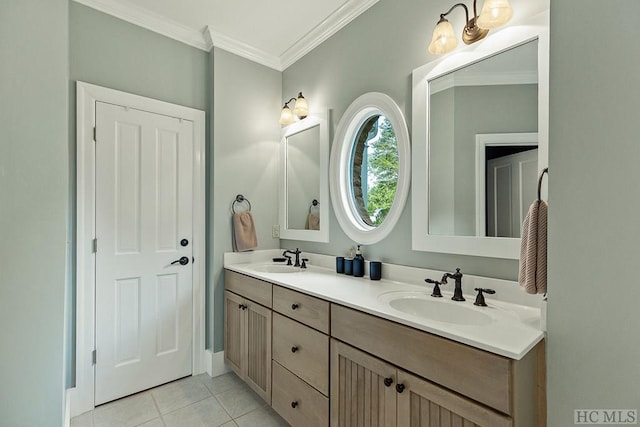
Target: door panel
x: 234, y: 345
x: 359, y: 395
x: 511, y: 188
x: 258, y: 345
x: 144, y: 319
x: 424, y: 404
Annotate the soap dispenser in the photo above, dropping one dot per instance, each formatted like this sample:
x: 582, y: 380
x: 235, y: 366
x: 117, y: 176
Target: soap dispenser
x: 358, y: 264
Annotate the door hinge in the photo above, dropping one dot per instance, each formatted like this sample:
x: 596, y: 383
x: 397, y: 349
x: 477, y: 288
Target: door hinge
x: 94, y: 246
x: 94, y: 355
x: 95, y: 137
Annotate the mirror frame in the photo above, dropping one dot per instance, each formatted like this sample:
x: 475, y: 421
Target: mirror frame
x: 322, y: 235
x: 535, y: 28
x: 361, y: 109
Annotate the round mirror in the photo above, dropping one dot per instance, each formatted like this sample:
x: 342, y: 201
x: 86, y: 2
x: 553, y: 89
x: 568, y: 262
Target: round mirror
x: 369, y: 168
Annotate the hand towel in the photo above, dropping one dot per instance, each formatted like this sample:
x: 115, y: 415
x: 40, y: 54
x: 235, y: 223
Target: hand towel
x: 313, y: 222
x: 533, y: 250
x: 244, y: 232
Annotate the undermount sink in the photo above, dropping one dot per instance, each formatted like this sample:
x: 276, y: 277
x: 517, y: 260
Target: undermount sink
x: 421, y: 304
x: 275, y: 268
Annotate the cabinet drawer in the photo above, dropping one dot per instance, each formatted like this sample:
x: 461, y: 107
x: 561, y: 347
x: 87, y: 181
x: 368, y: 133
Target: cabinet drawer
x: 302, y: 350
x: 482, y: 376
x: 306, y: 309
x: 296, y: 401
x: 253, y: 289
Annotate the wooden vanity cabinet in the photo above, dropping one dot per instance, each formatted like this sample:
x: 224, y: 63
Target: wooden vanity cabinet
x: 300, y: 358
x: 247, y: 331
x: 366, y: 391
x: 457, y: 384
x: 319, y: 363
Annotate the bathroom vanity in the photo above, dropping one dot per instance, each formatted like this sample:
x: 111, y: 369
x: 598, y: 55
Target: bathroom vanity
x: 327, y: 349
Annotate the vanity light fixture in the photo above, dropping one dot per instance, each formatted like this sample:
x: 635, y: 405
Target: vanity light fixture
x: 300, y: 109
x: 494, y: 14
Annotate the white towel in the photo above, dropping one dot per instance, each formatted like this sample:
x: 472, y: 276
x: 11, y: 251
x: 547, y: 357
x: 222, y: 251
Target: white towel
x: 533, y: 250
x: 244, y: 232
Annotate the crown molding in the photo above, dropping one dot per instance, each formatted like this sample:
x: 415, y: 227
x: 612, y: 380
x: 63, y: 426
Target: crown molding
x: 222, y: 41
x: 334, y: 22
x: 209, y: 38
x: 149, y: 20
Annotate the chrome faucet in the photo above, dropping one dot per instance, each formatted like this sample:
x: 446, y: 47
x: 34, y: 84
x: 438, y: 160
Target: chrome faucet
x: 457, y: 276
x: 297, y: 253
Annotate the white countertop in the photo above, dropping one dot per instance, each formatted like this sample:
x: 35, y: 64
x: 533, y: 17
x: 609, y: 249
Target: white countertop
x: 512, y: 332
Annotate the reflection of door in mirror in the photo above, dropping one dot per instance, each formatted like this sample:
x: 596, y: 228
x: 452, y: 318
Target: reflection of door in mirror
x: 302, y: 177
x: 498, y: 95
x: 510, y: 189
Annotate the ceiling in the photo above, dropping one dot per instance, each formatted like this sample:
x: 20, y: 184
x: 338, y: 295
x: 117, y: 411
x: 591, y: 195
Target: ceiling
x: 275, y: 33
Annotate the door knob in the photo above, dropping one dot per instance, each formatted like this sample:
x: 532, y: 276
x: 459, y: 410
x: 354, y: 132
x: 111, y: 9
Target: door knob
x: 182, y: 261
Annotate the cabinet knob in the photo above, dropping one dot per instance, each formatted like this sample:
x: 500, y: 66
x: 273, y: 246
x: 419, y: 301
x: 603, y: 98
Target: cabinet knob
x: 242, y: 306
x: 399, y: 388
x: 294, y: 404
x: 294, y: 349
x: 388, y: 382
x: 294, y: 306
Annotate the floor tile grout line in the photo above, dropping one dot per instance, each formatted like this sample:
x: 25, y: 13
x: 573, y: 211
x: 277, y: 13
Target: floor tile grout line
x: 223, y: 408
x: 157, y: 408
x: 185, y: 406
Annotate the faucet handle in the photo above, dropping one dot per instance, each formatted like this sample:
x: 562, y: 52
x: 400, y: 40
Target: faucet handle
x: 480, y: 297
x: 288, y: 260
x: 436, y: 287
x: 304, y: 263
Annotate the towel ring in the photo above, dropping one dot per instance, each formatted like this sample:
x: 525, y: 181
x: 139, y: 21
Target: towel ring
x: 545, y: 170
x: 314, y: 204
x: 240, y: 199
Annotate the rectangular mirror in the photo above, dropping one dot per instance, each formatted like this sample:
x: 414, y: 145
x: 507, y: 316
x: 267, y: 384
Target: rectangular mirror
x: 304, y: 176
x: 480, y: 141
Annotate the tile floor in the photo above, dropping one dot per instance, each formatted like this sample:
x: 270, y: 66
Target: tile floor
x: 194, y: 401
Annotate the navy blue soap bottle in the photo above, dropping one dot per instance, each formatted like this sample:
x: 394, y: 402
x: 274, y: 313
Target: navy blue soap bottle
x: 358, y: 264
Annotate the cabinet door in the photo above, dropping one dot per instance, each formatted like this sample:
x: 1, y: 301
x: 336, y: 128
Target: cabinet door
x: 258, y: 345
x: 359, y: 394
x: 234, y: 332
x: 424, y: 404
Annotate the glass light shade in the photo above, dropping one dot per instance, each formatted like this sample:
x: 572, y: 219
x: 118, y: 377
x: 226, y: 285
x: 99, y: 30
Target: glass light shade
x: 301, y: 109
x: 444, y: 39
x: 286, y: 116
x: 494, y: 14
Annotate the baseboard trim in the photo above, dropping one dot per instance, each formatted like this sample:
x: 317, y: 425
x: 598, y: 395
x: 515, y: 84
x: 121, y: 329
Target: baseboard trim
x: 215, y: 364
x: 66, y: 421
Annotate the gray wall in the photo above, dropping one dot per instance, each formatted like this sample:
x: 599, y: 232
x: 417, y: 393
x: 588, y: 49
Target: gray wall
x: 113, y: 53
x: 34, y: 191
x: 246, y: 143
x: 593, y: 315
x: 507, y: 109
x: 377, y: 52
x: 116, y: 54
x: 442, y: 195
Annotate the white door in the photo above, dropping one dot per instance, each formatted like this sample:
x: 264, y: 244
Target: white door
x: 512, y: 183
x: 144, y: 208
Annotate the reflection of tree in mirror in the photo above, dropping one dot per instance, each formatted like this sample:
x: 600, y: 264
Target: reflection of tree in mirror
x: 382, y: 171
